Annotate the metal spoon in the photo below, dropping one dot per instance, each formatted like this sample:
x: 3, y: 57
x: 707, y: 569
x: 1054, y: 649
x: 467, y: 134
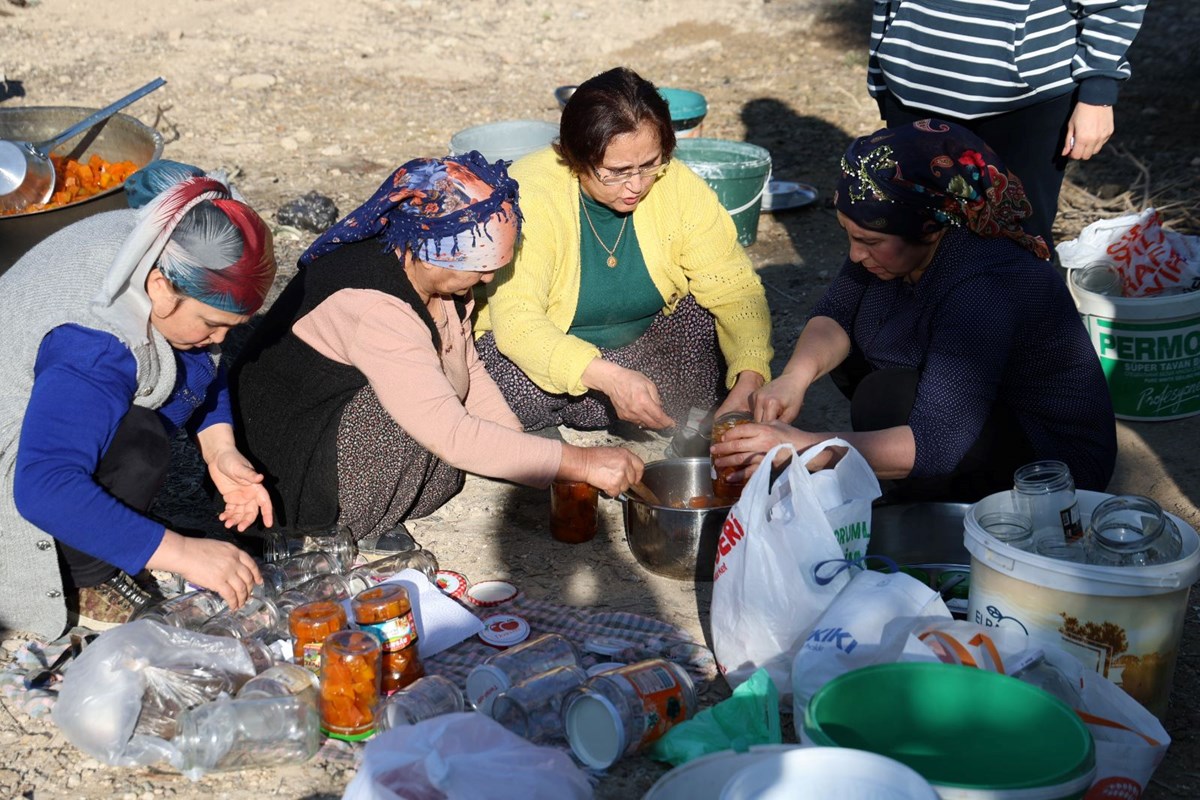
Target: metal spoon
x: 26, y: 173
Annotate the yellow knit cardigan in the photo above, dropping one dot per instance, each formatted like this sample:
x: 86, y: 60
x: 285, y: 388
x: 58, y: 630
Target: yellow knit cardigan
x: 690, y: 246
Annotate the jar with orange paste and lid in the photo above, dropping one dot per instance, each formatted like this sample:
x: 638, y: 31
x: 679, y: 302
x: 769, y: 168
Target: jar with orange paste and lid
x: 310, y: 624
x: 385, y: 612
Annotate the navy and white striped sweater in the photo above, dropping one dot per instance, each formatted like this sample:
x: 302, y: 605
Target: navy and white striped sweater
x: 967, y: 59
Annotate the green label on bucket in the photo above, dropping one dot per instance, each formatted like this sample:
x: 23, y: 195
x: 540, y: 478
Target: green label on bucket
x: 1153, y: 369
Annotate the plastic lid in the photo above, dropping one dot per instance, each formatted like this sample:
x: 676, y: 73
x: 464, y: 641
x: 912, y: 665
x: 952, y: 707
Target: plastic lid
x: 451, y: 583
x: 486, y: 594
x: 504, y: 630
x: 483, y: 684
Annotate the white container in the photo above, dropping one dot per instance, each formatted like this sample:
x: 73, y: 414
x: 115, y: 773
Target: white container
x: 1150, y: 350
x: 834, y: 772
x: 705, y: 777
x: 507, y: 140
x: 1123, y: 622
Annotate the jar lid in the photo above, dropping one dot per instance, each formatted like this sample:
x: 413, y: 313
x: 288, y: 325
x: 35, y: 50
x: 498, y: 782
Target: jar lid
x: 491, y: 593
x: 504, y: 630
x: 483, y: 684
x: 607, y: 645
x: 451, y: 583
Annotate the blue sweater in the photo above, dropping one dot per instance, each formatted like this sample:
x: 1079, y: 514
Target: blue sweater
x: 987, y: 322
x: 84, y: 384
x: 965, y: 59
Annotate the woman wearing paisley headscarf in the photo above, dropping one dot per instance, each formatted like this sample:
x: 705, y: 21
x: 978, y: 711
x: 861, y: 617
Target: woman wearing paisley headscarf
x: 109, y: 334
x: 361, y: 394
x: 954, y: 338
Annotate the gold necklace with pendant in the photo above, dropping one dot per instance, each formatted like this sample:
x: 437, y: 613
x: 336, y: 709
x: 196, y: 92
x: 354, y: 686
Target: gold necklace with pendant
x: 612, y: 257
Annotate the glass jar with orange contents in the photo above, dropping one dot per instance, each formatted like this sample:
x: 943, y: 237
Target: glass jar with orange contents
x: 310, y: 624
x: 723, y: 487
x: 385, y: 612
x: 573, y: 511
x: 350, y: 666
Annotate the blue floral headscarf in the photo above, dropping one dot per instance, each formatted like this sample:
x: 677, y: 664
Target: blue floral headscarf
x: 429, y: 207
x: 915, y: 179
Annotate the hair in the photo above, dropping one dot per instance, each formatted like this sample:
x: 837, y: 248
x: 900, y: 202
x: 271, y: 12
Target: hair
x: 608, y: 105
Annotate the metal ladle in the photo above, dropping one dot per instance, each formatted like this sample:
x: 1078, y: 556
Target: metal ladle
x: 26, y: 173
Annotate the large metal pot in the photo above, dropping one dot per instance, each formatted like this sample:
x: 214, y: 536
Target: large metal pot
x: 119, y: 138
x: 677, y: 543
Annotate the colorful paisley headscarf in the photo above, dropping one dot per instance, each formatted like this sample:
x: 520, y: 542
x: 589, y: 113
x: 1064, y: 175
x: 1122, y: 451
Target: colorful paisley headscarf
x: 225, y: 258
x: 911, y: 180
x: 456, y: 212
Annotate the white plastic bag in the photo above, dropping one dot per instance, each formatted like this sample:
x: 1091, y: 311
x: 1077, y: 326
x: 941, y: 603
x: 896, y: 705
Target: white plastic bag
x: 870, y: 621
x: 1150, y: 258
x: 463, y: 757
x: 1130, y: 741
x: 765, y: 594
x: 845, y: 492
x: 102, y: 693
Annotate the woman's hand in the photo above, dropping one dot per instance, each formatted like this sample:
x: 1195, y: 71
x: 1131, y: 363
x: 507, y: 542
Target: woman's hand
x: 612, y: 470
x: 220, y: 566
x: 633, y: 395
x: 745, y: 446
x: 780, y: 400
x: 1087, y: 131
x: 738, y: 399
x: 241, y: 487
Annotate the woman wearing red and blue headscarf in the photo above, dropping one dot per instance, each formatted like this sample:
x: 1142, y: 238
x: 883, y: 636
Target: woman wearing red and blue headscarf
x: 953, y: 336
x: 361, y: 394
x: 109, y: 343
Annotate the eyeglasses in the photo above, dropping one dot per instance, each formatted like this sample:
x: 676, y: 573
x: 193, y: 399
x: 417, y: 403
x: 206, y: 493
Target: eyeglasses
x: 610, y: 178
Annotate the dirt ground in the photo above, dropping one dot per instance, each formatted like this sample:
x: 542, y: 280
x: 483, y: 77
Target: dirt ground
x: 291, y: 96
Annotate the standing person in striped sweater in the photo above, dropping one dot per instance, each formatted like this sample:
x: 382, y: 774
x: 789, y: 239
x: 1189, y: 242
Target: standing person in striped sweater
x: 1035, y: 79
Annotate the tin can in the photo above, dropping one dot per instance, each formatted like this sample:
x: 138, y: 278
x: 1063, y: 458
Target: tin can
x: 511, y: 666
x: 723, y: 487
x: 573, y: 511
x: 350, y: 684
x: 621, y: 711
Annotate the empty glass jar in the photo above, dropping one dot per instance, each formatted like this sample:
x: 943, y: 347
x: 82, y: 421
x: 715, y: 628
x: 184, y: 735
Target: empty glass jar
x: 258, y: 618
x: 280, y: 576
x: 423, y: 699
x: 1048, y: 491
x: 337, y: 541
x: 1132, y: 531
x: 367, y: 575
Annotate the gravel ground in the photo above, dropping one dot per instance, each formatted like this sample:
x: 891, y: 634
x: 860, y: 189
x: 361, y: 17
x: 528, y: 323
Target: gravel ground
x: 291, y: 97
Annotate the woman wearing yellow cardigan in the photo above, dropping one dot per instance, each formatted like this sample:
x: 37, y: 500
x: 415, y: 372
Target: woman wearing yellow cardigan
x: 630, y: 296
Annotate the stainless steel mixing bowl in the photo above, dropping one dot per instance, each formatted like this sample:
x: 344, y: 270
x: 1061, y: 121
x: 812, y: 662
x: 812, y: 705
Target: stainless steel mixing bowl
x: 119, y: 138
x: 677, y: 543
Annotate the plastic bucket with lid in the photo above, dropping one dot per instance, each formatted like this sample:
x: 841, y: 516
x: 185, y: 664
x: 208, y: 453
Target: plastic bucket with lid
x: 688, y: 110
x: 1123, y: 622
x: 737, y: 172
x: 507, y: 140
x: 973, y: 734
x: 1150, y: 350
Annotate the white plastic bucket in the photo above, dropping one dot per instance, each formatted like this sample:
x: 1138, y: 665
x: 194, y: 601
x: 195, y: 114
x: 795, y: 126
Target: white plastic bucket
x: 1123, y: 622
x: 507, y: 140
x: 1150, y: 350
x: 837, y: 772
x: 703, y: 778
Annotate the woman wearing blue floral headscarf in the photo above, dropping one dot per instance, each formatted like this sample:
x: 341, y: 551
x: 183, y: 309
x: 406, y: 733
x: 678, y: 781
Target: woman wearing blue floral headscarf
x: 954, y: 338
x: 361, y: 394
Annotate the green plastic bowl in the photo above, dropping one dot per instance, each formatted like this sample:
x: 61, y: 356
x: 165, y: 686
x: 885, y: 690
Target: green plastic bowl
x: 963, y: 728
